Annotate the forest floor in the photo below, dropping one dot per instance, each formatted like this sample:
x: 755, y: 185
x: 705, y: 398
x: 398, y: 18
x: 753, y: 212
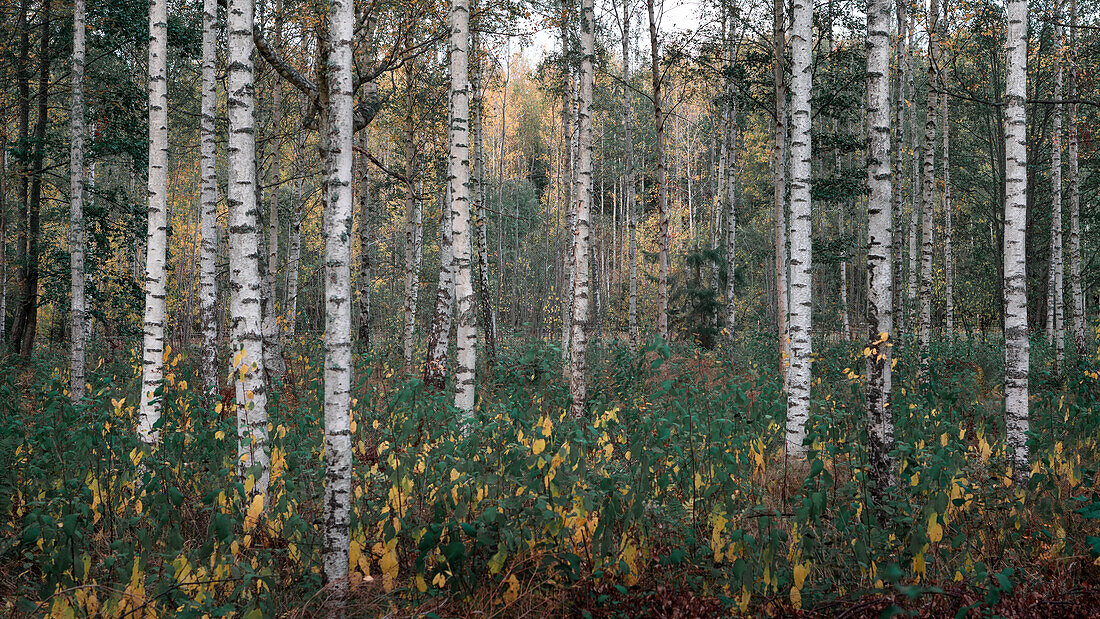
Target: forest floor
x: 672, y: 499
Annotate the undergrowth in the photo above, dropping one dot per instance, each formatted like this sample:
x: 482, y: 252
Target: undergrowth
x: 675, y: 482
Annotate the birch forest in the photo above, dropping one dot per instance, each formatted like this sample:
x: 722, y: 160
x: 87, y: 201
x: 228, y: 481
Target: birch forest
x: 566, y: 308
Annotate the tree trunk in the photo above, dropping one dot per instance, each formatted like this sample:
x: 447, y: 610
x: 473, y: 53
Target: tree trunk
x: 779, y: 184
x: 1055, y: 316
x: 245, y: 286
x: 798, y: 397
x: 365, y: 231
x: 730, y: 174
x: 899, y: 153
x: 662, y: 181
x: 459, y: 177
x: 208, y: 199
x: 156, y: 237
x: 435, y: 370
x: 485, y: 293
x: 273, y: 336
x: 23, y: 166
x: 413, y: 222
x: 1015, y: 267
x: 294, y: 252
x: 914, y: 180
x: 880, y: 328
x: 578, y: 380
x: 568, y: 179
x: 631, y: 187
x: 76, y: 209
x: 338, y: 358
x: 928, y: 188
x: 1078, y: 299
x: 948, y: 222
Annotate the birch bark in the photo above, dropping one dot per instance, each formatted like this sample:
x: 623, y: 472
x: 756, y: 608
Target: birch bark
x: 880, y: 328
x: 583, y: 193
x: 338, y: 359
x: 76, y: 210
x: 798, y: 396
x: 1015, y: 268
x: 156, y: 236
x: 208, y: 200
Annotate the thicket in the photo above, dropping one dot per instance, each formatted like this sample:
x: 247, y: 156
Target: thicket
x: 675, y: 482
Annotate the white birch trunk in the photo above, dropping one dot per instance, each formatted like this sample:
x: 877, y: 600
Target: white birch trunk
x: 294, y: 252
x: 798, y: 397
x: 485, y: 294
x: 156, y: 237
x: 928, y: 189
x: 1056, y: 320
x: 631, y: 187
x: 798, y: 410
x: 1015, y: 268
x: 365, y: 231
x: 1073, y: 186
x: 730, y: 174
x: 208, y: 204
x: 914, y: 182
x: 779, y: 185
x: 459, y: 178
x: 899, y: 154
x: 880, y: 271
x: 245, y: 313
x: 948, y: 222
x: 338, y: 359
x: 435, y: 369
x: 662, y: 181
x: 413, y: 223
x: 76, y: 210
x: 578, y: 366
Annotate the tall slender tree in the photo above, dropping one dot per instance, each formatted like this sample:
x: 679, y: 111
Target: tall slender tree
x: 880, y: 328
x: 779, y: 184
x: 729, y: 174
x: 156, y: 237
x: 413, y: 220
x: 1055, y: 291
x: 208, y: 200
x: 659, y: 117
x: 578, y: 366
x: 338, y: 359
x: 948, y: 222
x: 365, y: 232
x: 928, y: 186
x: 76, y: 208
x: 1015, y: 255
x: 1074, y: 188
x: 459, y: 179
x: 245, y: 313
x: 798, y: 396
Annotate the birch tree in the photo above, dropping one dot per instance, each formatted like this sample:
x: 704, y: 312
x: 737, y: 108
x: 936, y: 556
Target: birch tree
x: 899, y: 153
x: 729, y: 174
x: 245, y: 313
x: 338, y: 360
x: 435, y: 369
x: 294, y: 252
x: 459, y: 179
x: 1015, y: 267
x: 365, y: 232
x: 1055, y: 295
x: 413, y: 222
x: 76, y: 209
x: 208, y: 203
x: 948, y: 222
x: 485, y: 294
x: 583, y: 211
x: 1073, y: 186
x: 156, y: 236
x: 661, y: 176
x: 928, y: 187
x: 798, y: 396
x: 779, y: 184
x: 880, y: 328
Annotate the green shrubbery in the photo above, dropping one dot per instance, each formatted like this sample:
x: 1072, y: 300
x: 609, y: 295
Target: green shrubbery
x: 677, y: 475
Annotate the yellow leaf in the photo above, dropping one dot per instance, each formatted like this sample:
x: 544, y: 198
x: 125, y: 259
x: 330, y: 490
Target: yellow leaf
x: 512, y: 592
x: 796, y: 598
x: 935, y: 530
x: 801, y: 571
x: 254, y: 510
x: 538, y: 446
